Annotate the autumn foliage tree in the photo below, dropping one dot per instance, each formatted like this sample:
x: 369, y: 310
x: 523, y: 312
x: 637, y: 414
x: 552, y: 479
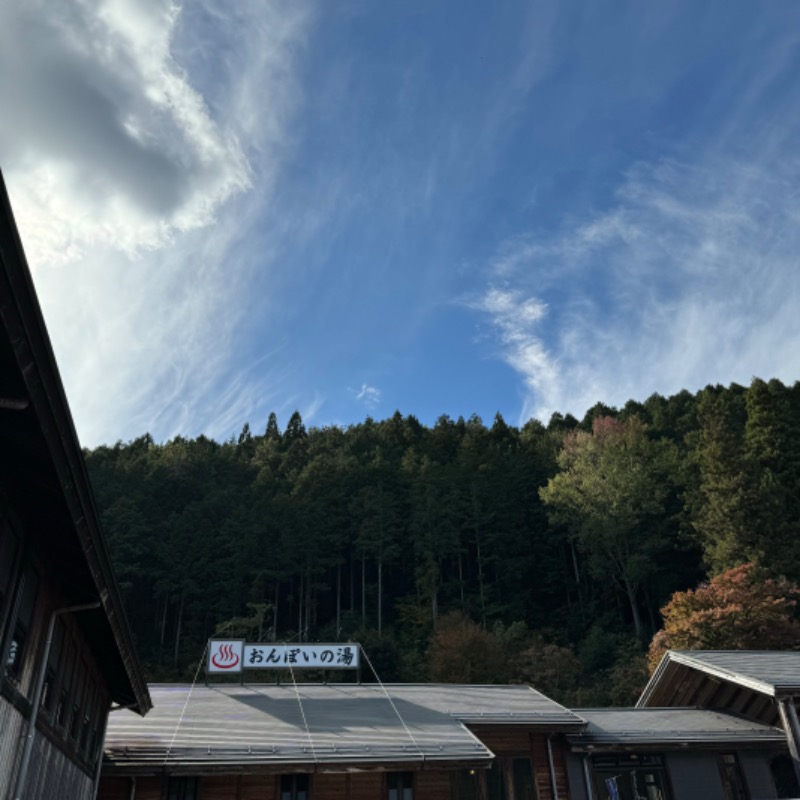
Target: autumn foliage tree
x: 461, y: 651
x: 740, y: 609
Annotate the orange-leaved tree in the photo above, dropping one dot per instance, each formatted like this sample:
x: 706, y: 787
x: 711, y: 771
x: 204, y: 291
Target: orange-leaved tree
x: 740, y: 609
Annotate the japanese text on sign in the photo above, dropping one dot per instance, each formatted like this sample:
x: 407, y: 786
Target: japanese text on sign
x: 301, y: 656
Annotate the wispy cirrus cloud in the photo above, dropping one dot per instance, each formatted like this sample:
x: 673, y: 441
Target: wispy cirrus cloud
x: 689, y: 278
x: 369, y: 395
x: 135, y: 164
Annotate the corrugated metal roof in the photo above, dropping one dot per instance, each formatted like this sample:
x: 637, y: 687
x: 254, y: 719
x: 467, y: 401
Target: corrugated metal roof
x: 771, y: 672
x: 654, y: 726
x: 348, y: 723
x: 489, y: 705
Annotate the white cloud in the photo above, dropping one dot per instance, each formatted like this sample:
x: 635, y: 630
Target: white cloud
x: 690, y: 279
x: 370, y: 395
x: 133, y: 174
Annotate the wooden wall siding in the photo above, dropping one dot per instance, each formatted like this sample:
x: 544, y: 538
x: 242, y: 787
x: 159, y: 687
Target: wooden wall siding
x: 150, y: 789
x: 366, y: 786
x: 541, y: 768
x: 11, y: 728
x: 329, y: 786
x: 219, y: 787
x: 432, y: 785
x: 53, y: 776
x: 114, y: 789
x: 259, y: 787
x: 502, y: 741
x: 120, y: 789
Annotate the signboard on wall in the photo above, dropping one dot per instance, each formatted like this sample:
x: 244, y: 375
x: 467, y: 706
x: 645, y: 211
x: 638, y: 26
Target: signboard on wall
x: 234, y: 655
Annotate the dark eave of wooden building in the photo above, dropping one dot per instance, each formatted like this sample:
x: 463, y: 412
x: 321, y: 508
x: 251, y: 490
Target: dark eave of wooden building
x: 46, y: 475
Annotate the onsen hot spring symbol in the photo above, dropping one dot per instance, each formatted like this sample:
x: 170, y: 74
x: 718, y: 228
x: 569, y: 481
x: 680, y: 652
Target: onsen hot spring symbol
x: 225, y: 655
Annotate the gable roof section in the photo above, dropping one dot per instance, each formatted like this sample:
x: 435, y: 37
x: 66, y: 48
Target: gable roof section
x: 767, y: 672
x: 228, y: 727
x: 43, y: 464
x: 642, y: 727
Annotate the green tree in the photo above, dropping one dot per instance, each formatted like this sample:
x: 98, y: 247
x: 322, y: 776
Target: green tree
x: 719, y: 501
x: 612, y: 493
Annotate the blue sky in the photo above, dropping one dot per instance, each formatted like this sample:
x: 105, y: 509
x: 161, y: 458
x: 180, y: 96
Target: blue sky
x: 443, y: 208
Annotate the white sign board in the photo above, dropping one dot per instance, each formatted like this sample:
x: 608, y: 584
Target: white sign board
x: 301, y: 656
x: 225, y: 655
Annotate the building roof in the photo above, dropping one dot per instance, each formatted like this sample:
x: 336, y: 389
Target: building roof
x: 42, y: 464
x: 622, y: 727
x: 767, y: 672
x: 745, y: 682
x: 317, y: 726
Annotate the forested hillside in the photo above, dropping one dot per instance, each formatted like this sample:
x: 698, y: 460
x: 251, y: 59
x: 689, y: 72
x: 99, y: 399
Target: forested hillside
x: 539, y: 553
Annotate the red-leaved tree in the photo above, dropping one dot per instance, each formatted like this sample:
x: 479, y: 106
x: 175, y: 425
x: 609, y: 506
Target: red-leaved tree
x: 740, y: 609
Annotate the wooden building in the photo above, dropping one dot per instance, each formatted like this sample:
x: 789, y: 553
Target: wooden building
x: 65, y: 647
x: 337, y: 741
x: 428, y: 742
x: 759, y: 685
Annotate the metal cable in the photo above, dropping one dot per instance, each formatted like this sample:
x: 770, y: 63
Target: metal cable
x: 186, y: 704
x: 303, y: 714
x: 391, y: 702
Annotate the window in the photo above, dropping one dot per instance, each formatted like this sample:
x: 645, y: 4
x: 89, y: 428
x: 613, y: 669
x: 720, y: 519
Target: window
x: 732, y: 778
x: 18, y: 649
x: 294, y: 787
x: 630, y: 777
x: 182, y: 789
x: 400, y: 785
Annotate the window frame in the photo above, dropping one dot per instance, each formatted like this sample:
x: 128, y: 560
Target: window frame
x: 183, y: 787
x: 294, y: 790
x: 734, y: 783
x: 605, y: 765
x: 406, y: 781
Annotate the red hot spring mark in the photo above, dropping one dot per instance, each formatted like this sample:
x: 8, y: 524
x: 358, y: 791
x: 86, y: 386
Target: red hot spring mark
x: 225, y: 657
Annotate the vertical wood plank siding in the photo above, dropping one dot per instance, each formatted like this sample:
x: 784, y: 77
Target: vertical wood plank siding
x: 329, y: 786
x: 53, y: 776
x: 541, y: 768
x: 219, y: 787
x: 114, y: 789
x: 12, y: 724
x: 432, y: 785
x: 366, y: 786
x: 259, y: 787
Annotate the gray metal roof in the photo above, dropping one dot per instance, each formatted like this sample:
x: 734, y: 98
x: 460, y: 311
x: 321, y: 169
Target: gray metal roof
x: 319, y: 724
x: 489, y: 705
x: 771, y: 672
x: 663, y: 726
